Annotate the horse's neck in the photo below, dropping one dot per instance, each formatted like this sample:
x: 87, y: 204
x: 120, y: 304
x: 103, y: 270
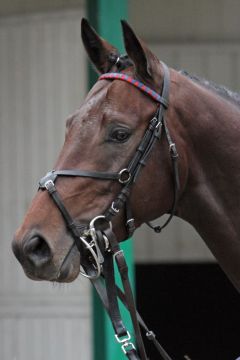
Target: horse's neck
x: 212, y: 197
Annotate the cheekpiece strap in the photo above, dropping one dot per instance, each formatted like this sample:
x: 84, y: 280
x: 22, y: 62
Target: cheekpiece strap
x: 138, y: 84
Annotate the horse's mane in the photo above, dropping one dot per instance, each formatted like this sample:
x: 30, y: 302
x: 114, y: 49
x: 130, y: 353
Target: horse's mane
x: 219, y: 89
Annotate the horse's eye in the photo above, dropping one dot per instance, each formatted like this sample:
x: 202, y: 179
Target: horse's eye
x: 119, y: 135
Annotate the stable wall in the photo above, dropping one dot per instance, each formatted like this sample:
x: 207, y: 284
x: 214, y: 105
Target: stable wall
x: 43, y: 79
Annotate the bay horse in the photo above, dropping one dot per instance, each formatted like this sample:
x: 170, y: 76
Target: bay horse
x: 113, y: 175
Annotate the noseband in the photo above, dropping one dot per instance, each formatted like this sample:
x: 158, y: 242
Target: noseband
x: 96, y: 241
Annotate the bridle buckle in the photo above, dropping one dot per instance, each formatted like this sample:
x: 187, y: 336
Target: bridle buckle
x: 49, y: 185
x: 126, y: 345
x: 173, y: 150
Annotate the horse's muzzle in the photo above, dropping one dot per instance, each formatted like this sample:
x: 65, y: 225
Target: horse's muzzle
x: 42, y: 262
x: 35, y: 256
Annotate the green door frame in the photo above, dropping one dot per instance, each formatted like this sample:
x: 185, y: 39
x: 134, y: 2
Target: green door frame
x: 105, y: 16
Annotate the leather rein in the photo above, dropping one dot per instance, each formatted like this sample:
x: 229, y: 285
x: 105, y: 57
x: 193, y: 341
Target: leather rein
x: 97, y: 243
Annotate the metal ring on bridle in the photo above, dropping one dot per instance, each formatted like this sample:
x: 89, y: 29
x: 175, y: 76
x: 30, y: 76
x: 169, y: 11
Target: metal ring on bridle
x: 124, y: 176
x: 95, y: 257
x: 92, y: 222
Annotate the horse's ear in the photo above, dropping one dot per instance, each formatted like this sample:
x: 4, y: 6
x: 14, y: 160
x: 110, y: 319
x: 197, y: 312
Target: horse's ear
x: 144, y: 60
x: 101, y: 53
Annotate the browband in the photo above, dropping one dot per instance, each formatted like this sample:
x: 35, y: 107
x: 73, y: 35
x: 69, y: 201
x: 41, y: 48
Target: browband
x: 138, y: 84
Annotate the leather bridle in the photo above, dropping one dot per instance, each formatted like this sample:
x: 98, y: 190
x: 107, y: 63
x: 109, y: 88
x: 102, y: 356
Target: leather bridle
x: 97, y: 243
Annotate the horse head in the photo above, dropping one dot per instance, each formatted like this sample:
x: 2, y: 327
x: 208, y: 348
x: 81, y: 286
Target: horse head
x: 102, y: 138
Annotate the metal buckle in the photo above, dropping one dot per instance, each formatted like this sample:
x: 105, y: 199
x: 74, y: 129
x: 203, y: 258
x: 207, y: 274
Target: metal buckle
x: 126, y: 344
x: 128, y: 337
x: 173, y: 150
x: 159, y: 124
x: 49, y: 176
x: 127, y: 347
x: 130, y: 222
x: 150, y: 335
x: 115, y: 209
x: 131, y: 226
x: 155, y: 122
x: 124, y: 176
x: 49, y: 185
x: 114, y: 258
x: 117, y: 61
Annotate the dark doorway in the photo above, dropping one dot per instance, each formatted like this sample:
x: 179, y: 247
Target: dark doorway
x: 192, y: 308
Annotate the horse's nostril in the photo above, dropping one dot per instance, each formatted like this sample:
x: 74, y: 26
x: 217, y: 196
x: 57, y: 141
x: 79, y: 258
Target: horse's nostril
x: 37, y: 251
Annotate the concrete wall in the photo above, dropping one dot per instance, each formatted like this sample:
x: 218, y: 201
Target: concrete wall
x: 186, y: 20
x: 14, y: 7
x: 43, y: 79
x: 158, y: 20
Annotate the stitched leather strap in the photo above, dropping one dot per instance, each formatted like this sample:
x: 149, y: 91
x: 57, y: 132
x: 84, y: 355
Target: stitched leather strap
x: 52, y: 175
